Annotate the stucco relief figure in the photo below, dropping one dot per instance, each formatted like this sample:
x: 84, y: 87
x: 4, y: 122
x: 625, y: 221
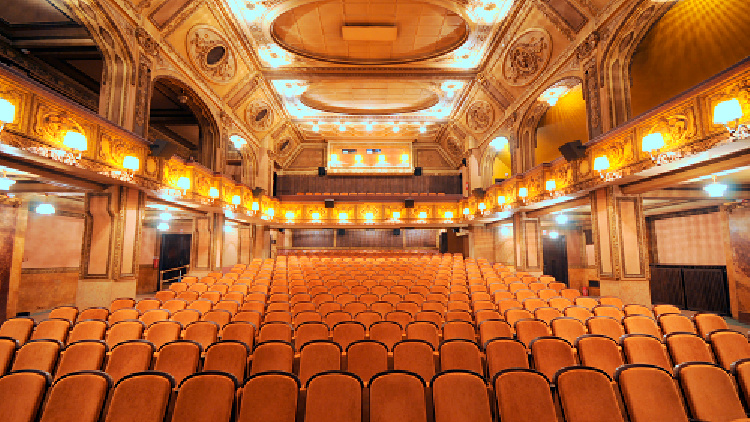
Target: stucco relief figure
x: 480, y: 116
x: 527, y: 57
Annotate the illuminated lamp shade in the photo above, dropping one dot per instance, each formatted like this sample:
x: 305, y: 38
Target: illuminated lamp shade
x: 228, y: 213
x: 334, y: 158
x: 554, y: 235
x: 368, y: 127
x: 422, y: 128
x: 652, y: 142
x: 213, y: 192
x: 316, y: 216
x: 7, y: 112
x: 482, y: 207
x: 255, y: 206
x: 422, y: 215
x: 45, y: 209
x: 270, y: 212
x: 505, y: 231
x: 369, y: 216
x: 715, y: 189
x: 725, y: 111
x: 342, y: 216
x: 550, y: 185
x: 75, y: 140
x: 165, y: 216
x: 404, y: 158
x: 523, y: 192
x: 396, y: 128
x: 290, y: 215
x: 183, y: 183
x: 601, y: 163
x: 316, y: 128
x: 342, y: 128
x: 467, y: 211
x: 6, y: 183
x: 381, y: 158
x: 131, y: 163
x: 501, y: 199
x: 561, y: 219
x: 396, y: 215
x: 236, y: 200
x: 358, y: 158
x: 227, y: 228
x: 162, y: 227
x: 449, y: 215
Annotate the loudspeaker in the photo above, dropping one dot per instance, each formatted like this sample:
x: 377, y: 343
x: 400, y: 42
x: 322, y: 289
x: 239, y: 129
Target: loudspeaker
x: 341, y: 232
x: 281, y: 230
x: 573, y: 151
x: 417, y: 171
x: 397, y: 232
x: 479, y: 193
x: 329, y: 203
x: 162, y: 148
x: 257, y: 192
x: 321, y: 171
x: 463, y: 162
x: 409, y: 203
x: 456, y: 230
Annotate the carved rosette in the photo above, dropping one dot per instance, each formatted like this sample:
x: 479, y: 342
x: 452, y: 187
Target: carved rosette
x: 480, y: 116
x: 260, y: 116
x: 527, y: 57
x: 211, y: 53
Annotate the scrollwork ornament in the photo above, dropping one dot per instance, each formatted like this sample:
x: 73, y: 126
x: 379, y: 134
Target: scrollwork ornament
x: 527, y: 57
x: 260, y: 116
x: 480, y: 116
x: 211, y: 53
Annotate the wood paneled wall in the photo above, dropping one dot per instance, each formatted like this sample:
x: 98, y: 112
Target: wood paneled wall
x: 295, y: 184
x: 370, y: 239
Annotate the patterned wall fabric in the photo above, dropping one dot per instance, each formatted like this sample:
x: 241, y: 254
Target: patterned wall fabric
x: 690, y: 240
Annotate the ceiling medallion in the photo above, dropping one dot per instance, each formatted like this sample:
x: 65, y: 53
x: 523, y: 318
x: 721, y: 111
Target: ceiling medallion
x: 480, y: 116
x: 211, y: 54
x: 527, y: 57
x: 260, y: 115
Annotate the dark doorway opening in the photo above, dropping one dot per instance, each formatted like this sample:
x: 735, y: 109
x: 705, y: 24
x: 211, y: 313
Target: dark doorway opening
x: 555, y: 252
x: 174, y: 256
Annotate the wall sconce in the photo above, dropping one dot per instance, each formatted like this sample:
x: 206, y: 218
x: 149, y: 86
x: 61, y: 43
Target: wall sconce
x: 165, y: 216
x: 396, y: 215
x: 501, y: 200
x: 652, y: 143
x: 255, y: 207
x: 448, y: 215
x: 236, y: 200
x: 554, y: 235
x: 213, y: 192
x: 342, y: 217
x: 405, y: 158
x: 396, y: 127
x: 381, y: 159
x: 227, y: 228
x: 45, y: 208
x: 183, y: 183
x: 268, y: 215
x: 316, y: 127
x: 482, y: 207
x: 369, y: 216
x: 334, y: 159
x: 523, y: 192
x: 289, y: 215
x: 715, y: 189
x: 75, y: 140
x: 358, y: 159
x: 500, y: 143
x: 228, y: 213
x: 422, y: 128
x: 467, y: 212
x: 342, y: 127
x: 7, y: 113
x: 601, y: 163
x: 316, y: 216
x: 6, y: 183
x: 368, y: 126
x: 727, y: 111
x: 550, y: 185
x: 422, y: 215
x: 162, y: 227
x: 131, y: 163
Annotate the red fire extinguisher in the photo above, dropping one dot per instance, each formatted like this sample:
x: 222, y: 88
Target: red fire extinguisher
x: 585, y: 290
x: 156, y: 263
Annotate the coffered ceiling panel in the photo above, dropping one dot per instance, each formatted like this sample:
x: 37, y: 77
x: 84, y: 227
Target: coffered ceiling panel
x: 369, y: 97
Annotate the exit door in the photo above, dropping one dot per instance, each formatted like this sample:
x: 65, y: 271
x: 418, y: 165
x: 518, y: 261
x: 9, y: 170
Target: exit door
x: 555, y: 252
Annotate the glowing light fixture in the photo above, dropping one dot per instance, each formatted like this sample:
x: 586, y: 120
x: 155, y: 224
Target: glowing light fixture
x: 422, y: 215
x: 228, y: 213
x: 358, y: 158
x: 342, y: 216
x: 550, y: 185
x: 227, y: 228
x: 552, y: 95
x: 482, y: 206
x: 601, y: 163
x: 183, y: 183
x: 381, y: 158
x: 75, y: 140
x: 467, y: 211
x: 270, y: 212
x: 396, y: 128
x: 652, y: 142
x: 369, y: 216
x: 727, y: 111
x: 236, y: 200
x: 342, y: 127
x: 238, y: 141
x: 404, y: 158
x: 7, y: 113
x: 290, y: 215
x: 316, y: 216
x: 499, y: 143
x: 396, y: 215
x: 255, y: 206
x: 162, y: 227
x: 561, y: 218
x: 715, y: 189
x: 368, y: 127
x: 45, y: 208
x: 450, y: 87
x: 165, y: 216
x: 523, y: 192
x: 6, y: 183
x: 501, y: 200
x: 422, y: 128
x: 505, y: 231
x: 554, y: 235
x: 334, y: 159
x: 316, y: 127
x: 131, y: 163
x: 448, y: 215
x: 213, y: 192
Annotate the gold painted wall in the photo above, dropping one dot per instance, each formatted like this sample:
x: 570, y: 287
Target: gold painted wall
x: 562, y: 123
x: 501, y: 166
x: 695, y: 40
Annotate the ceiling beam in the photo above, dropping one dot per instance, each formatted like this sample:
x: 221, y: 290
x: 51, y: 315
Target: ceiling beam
x: 575, y: 203
x: 692, y: 194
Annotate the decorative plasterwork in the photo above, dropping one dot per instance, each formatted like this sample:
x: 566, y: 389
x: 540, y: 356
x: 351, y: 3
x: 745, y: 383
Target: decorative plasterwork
x: 527, y: 57
x: 480, y: 116
x: 211, y: 54
x: 260, y: 115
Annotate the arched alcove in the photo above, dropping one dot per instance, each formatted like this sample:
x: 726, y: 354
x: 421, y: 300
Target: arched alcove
x: 178, y: 116
x: 563, y: 122
x: 693, y: 41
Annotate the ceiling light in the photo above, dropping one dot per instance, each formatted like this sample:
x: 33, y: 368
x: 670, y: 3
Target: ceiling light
x: 499, y: 143
x: 165, y: 216
x: 368, y: 126
x: 551, y: 95
x: 315, y: 127
x: 162, y: 227
x: 554, y: 235
x: 131, y: 163
x: 561, y: 218
x: 45, y: 208
x: 75, y: 140
x: 715, y: 189
x: 238, y: 141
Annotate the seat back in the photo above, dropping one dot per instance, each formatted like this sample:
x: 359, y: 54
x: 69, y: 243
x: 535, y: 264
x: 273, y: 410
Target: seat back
x: 142, y: 396
x: 706, y: 323
x: 599, y: 352
x: 649, y: 393
x: 568, y: 328
x: 529, y: 329
x: 550, y: 354
x: 505, y: 353
x: 386, y: 332
x: 687, y: 347
x: 273, y: 356
x: 88, y: 330
x: 606, y: 326
x: 227, y: 356
x: 460, y: 396
x: 586, y: 394
x: 19, y: 328
x: 78, y: 396
x: 334, y: 396
x: 710, y: 392
x: 239, y: 331
x: 461, y: 354
x: 269, y: 397
x: 729, y: 347
x: 365, y: 358
x: 162, y: 332
x: 124, y: 331
x: 206, y: 396
x: 516, y: 389
x: 318, y: 356
x: 346, y: 332
x: 129, y: 357
x: 397, y: 395
x: 642, y: 348
x: 69, y: 313
x: 676, y: 323
x: 84, y: 355
x: 41, y: 355
x: 22, y: 407
x: 417, y: 356
x: 179, y: 358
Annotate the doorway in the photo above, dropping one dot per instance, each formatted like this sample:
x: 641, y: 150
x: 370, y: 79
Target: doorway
x: 555, y: 255
x: 174, y: 253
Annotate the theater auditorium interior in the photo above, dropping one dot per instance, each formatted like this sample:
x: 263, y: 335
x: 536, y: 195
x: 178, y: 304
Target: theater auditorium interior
x: 374, y: 210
